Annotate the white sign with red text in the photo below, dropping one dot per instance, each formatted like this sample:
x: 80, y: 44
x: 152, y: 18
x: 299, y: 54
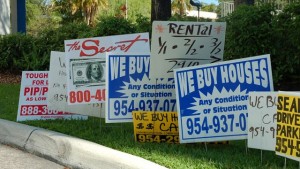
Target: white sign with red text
x: 33, y: 98
x: 57, y: 94
x: 85, y: 63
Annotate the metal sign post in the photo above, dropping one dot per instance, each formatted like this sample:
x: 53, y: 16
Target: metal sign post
x: 198, y: 4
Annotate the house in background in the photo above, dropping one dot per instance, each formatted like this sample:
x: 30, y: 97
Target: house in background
x: 4, y: 17
x: 202, y: 14
x: 227, y: 7
x: 12, y: 16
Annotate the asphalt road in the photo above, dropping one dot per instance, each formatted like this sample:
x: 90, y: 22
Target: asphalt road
x: 12, y: 158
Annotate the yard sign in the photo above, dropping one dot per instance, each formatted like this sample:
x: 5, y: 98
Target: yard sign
x: 130, y: 89
x: 262, y: 114
x: 212, y: 99
x: 184, y: 44
x: 155, y: 126
x: 288, y: 125
x: 33, y: 98
x: 85, y: 62
x: 57, y: 94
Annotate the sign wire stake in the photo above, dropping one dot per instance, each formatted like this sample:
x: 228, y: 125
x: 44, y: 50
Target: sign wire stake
x: 261, y: 157
x: 100, y: 125
x: 246, y: 148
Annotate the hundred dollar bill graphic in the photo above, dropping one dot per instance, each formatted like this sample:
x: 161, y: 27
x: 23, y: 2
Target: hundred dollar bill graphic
x: 87, y: 72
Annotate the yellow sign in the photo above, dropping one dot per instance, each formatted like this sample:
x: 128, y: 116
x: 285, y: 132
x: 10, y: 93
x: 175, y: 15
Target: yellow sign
x: 288, y: 125
x: 155, y: 126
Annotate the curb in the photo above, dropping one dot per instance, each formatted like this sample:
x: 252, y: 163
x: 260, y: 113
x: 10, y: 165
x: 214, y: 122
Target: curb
x: 67, y: 150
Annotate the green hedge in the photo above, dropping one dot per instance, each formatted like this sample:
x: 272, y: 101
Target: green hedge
x: 12, y: 48
x: 257, y: 30
x: 26, y: 52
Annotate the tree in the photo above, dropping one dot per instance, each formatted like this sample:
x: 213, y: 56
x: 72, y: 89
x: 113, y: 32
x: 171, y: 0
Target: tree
x: 68, y: 11
x: 78, y: 10
x: 180, y: 6
x: 209, y: 7
x: 90, y: 9
x: 38, y: 16
x: 160, y: 10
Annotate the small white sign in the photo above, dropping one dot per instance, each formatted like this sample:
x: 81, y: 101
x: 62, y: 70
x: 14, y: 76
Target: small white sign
x: 262, y: 115
x: 33, y: 99
x: 57, y: 94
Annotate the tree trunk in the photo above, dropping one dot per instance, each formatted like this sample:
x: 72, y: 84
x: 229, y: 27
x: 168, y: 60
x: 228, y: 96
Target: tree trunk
x: 160, y: 10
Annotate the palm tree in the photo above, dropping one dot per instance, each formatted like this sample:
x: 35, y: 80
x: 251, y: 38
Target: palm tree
x: 160, y: 10
x: 87, y: 8
x: 180, y: 6
x: 90, y: 9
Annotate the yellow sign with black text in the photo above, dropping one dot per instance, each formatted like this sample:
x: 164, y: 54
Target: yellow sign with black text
x: 288, y: 125
x: 155, y: 126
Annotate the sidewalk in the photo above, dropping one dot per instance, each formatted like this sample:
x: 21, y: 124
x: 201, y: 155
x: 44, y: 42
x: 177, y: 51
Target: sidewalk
x: 68, y: 151
x: 11, y: 158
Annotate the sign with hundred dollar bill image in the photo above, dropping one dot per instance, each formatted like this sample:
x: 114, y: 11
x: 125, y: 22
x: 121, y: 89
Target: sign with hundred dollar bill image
x: 212, y: 99
x: 129, y: 88
x: 86, y: 66
x: 57, y: 90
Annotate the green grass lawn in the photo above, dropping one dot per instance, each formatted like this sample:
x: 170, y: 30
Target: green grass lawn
x: 174, y: 156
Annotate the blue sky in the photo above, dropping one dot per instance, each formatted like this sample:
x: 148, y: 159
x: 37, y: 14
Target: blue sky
x: 210, y: 1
